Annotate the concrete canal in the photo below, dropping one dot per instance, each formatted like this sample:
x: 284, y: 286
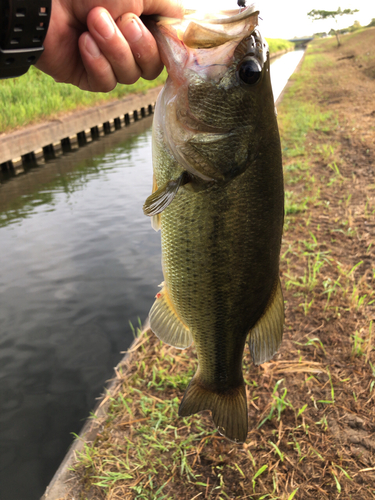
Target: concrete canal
x: 79, y: 261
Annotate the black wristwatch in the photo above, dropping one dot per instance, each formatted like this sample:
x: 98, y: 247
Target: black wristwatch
x: 23, y: 28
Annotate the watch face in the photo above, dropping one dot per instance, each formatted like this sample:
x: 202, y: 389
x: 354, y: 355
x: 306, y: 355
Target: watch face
x: 23, y: 30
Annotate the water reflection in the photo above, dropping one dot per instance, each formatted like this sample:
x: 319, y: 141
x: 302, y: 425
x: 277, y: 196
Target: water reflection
x: 79, y: 260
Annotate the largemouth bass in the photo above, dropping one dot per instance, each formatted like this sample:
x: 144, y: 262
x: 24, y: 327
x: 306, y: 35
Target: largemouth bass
x: 218, y: 199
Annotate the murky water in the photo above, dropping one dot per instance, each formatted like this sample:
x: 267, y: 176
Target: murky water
x: 78, y: 261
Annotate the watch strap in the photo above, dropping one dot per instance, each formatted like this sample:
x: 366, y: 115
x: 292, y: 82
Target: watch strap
x: 24, y: 28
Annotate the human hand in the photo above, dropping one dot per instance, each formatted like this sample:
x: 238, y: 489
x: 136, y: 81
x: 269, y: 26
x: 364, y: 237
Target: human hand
x: 94, y: 44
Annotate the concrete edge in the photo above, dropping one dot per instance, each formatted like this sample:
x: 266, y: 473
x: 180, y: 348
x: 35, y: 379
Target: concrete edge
x: 63, y: 480
x: 38, y: 142
x: 289, y: 83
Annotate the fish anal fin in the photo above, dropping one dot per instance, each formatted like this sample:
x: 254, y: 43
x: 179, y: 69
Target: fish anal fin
x: 160, y: 199
x: 265, y: 337
x: 166, y: 324
x: 229, y: 408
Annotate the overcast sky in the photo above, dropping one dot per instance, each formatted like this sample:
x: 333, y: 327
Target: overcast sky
x: 287, y: 19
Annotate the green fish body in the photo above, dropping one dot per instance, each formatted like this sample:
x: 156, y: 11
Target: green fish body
x: 219, y: 202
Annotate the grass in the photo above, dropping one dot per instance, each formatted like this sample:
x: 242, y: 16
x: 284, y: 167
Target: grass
x: 278, y: 44
x: 35, y: 96
x: 311, y: 407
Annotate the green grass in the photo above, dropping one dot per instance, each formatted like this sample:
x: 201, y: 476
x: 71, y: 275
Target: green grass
x: 278, y: 44
x: 36, y: 96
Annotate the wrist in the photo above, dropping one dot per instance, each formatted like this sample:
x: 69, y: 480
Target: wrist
x: 24, y: 25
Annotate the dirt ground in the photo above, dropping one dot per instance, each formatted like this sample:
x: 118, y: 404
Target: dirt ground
x: 311, y: 408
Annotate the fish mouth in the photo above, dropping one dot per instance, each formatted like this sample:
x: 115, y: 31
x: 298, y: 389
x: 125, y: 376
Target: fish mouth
x: 200, y: 30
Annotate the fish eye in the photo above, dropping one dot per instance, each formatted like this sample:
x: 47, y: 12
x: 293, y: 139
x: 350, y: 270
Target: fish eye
x: 250, y: 71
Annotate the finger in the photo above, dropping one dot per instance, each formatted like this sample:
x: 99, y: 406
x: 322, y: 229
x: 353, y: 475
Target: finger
x: 169, y: 8
x: 99, y: 75
x: 113, y: 45
x: 142, y: 44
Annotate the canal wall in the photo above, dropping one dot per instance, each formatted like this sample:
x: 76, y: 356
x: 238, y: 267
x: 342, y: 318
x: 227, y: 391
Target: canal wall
x: 51, y: 138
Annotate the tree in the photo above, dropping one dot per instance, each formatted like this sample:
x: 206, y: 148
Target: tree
x: 317, y: 15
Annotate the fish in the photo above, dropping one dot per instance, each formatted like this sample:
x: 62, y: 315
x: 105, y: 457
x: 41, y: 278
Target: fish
x: 218, y: 199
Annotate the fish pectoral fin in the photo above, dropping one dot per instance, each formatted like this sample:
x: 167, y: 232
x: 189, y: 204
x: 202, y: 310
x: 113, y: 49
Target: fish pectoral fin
x: 166, y: 324
x: 162, y: 197
x: 229, y: 408
x: 155, y: 219
x: 265, y: 337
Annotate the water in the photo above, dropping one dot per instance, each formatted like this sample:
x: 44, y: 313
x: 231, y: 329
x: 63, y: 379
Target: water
x: 79, y: 260
x: 282, y: 68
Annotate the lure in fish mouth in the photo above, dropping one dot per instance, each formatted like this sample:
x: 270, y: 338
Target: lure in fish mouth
x: 219, y: 202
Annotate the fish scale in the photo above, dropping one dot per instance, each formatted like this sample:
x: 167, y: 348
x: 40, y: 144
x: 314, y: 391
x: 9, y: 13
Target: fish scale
x: 218, y: 200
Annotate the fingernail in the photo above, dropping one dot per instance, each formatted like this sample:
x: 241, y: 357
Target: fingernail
x: 132, y: 31
x: 105, y: 26
x: 91, y: 46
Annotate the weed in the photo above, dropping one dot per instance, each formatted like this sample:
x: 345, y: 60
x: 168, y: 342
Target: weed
x: 332, y: 401
x: 258, y: 473
x: 277, y: 450
x: 330, y: 288
x: 358, y: 348
x: 279, y: 403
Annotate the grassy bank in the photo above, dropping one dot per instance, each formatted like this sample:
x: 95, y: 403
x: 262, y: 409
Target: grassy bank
x: 36, y: 96
x: 278, y: 45
x: 311, y: 409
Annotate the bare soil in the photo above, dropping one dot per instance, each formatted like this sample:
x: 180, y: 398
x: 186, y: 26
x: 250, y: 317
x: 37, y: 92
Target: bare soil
x: 311, y: 408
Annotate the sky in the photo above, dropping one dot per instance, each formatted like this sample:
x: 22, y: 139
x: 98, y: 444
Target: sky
x: 288, y: 19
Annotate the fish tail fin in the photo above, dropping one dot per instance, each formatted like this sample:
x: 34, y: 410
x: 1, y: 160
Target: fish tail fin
x: 229, y: 408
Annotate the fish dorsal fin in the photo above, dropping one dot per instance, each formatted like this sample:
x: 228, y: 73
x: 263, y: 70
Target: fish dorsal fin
x: 229, y: 408
x: 166, y: 324
x: 265, y: 336
x: 162, y: 197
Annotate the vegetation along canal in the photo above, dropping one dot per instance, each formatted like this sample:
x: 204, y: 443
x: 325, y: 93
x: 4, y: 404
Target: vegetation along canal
x: 79, y: 262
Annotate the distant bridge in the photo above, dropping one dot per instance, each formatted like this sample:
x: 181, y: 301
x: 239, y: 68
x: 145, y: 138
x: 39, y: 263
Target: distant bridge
x: 301, y: 41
